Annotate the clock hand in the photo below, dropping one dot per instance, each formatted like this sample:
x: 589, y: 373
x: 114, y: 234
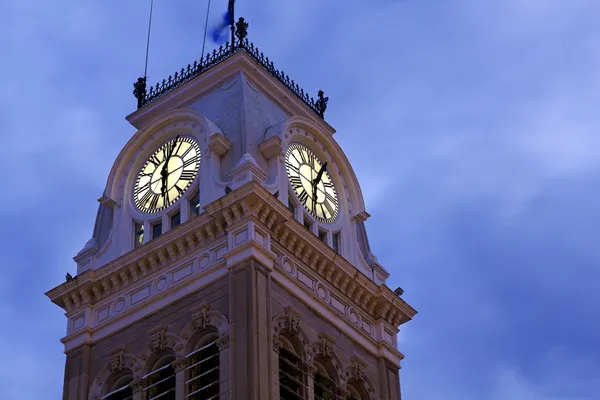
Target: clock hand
x: 320, y: 174
x: 164, y: 173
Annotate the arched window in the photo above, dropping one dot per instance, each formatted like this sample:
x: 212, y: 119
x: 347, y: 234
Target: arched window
x: 120, y: 390
x: 292, y: 374
x: 325, y: 387
x: 202, y: 373
x: 354, y: 393
x: 160, y: 383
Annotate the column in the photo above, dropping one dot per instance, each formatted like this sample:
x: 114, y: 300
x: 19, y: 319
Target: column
x: 77, y: 371
x: 179, y: 367
x: 137, y: 387
x: 251, y: 347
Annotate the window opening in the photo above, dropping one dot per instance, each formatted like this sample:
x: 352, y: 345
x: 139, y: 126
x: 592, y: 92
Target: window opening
x: 138, y: 234
x: 195, y: 205
x: 161, y: 383
x: 156, y: 230
x: 203, y: 374
x: 122, y: 392
x: 335, y: 242
x: 291, y: 375
x: 307, y: 223
x: 175, y: 220
x: 323, y: 236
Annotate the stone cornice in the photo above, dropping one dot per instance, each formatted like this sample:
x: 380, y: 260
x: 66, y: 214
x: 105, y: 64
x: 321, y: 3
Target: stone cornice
x: 249, y: 201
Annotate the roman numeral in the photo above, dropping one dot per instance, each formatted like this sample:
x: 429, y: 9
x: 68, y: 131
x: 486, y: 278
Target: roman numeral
x: 154, y: 201
x: 303, y: 196
x: 144, y: 199
x: 185, y: 153
x: 323, y: 211
x: 329, y: 208
x: 296, y: 158
x: 139, y: 189
x: 191, y: 161
x: 179, y: 190
x: 303, y: 156
x: 293, y: 168
x: 296, y: 182
x: 187, y: 175
x: 328, y: 185
x: 167, y: 197
x: 154, y: 160
x: 329, y: 197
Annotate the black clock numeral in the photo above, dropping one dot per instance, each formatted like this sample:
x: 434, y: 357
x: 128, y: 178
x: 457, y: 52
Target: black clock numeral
x: 329, y: 197
x: 296, y: 158
x: 303, y: 196
x: 328, y: 185
x: 296, y: 182
x: 303, y: 157
x: 139, y: 189
x: 154, y: 160
x: 294, y: 168
x: 186, y: 152
x: 323, y: 211
x: 144, y: 199
x: 191, y: 161
x: 311, y: 160
x: 329, y: 207
x: 154, y: 201
x: 179, y: 190
x: 167, y: 201
x: 187, y: 175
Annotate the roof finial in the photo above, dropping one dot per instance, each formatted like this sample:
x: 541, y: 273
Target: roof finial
x: 241, y: 29
x: 321, y: 104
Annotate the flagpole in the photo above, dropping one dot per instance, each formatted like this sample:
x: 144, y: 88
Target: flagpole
x: 205, y: 28
x: 148, y: 41
x: 231, y: 9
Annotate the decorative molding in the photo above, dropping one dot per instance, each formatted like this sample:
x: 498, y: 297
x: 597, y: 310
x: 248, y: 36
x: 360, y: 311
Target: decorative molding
x: 223, y: 342
x: 137, y: 385
x: 200, y: 316
x: 158, y: 340
x: 219, y: 144
x: 116, y: 359
x: 271, y: 147
x: 180, y: 364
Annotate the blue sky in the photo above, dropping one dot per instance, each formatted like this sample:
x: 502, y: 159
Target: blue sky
x: 473, y: 127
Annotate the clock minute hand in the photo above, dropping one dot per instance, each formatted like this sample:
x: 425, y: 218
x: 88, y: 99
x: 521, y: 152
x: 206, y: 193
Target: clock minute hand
x: 165, y: 170
x: 320, y: 175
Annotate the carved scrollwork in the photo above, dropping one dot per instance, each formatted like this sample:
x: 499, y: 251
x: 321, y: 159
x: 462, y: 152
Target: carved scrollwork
x: 180, y: 364
x: 158, y: 338
x: 137, y: 385
x: 117, y: 359
x: 200, y: 318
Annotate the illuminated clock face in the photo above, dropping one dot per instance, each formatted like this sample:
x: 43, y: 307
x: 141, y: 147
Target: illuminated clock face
x: 311, y: 183
x: 167, y: 174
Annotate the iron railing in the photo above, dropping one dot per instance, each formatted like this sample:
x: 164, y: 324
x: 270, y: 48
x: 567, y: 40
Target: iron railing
x: 145, y: 96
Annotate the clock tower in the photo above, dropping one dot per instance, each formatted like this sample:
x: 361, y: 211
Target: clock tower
x: 229, y: 258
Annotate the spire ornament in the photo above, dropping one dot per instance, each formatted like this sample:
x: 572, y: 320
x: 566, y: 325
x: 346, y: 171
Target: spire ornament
x: 241, y: 29
x: 139, y: 91
x: 321, y: 104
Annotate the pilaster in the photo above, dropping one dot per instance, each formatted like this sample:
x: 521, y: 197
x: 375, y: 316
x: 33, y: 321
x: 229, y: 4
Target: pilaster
x: 251, y: 345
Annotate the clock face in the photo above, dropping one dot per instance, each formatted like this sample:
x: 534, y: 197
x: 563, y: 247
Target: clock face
x: 311, y: 183
x: 167, y: 174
